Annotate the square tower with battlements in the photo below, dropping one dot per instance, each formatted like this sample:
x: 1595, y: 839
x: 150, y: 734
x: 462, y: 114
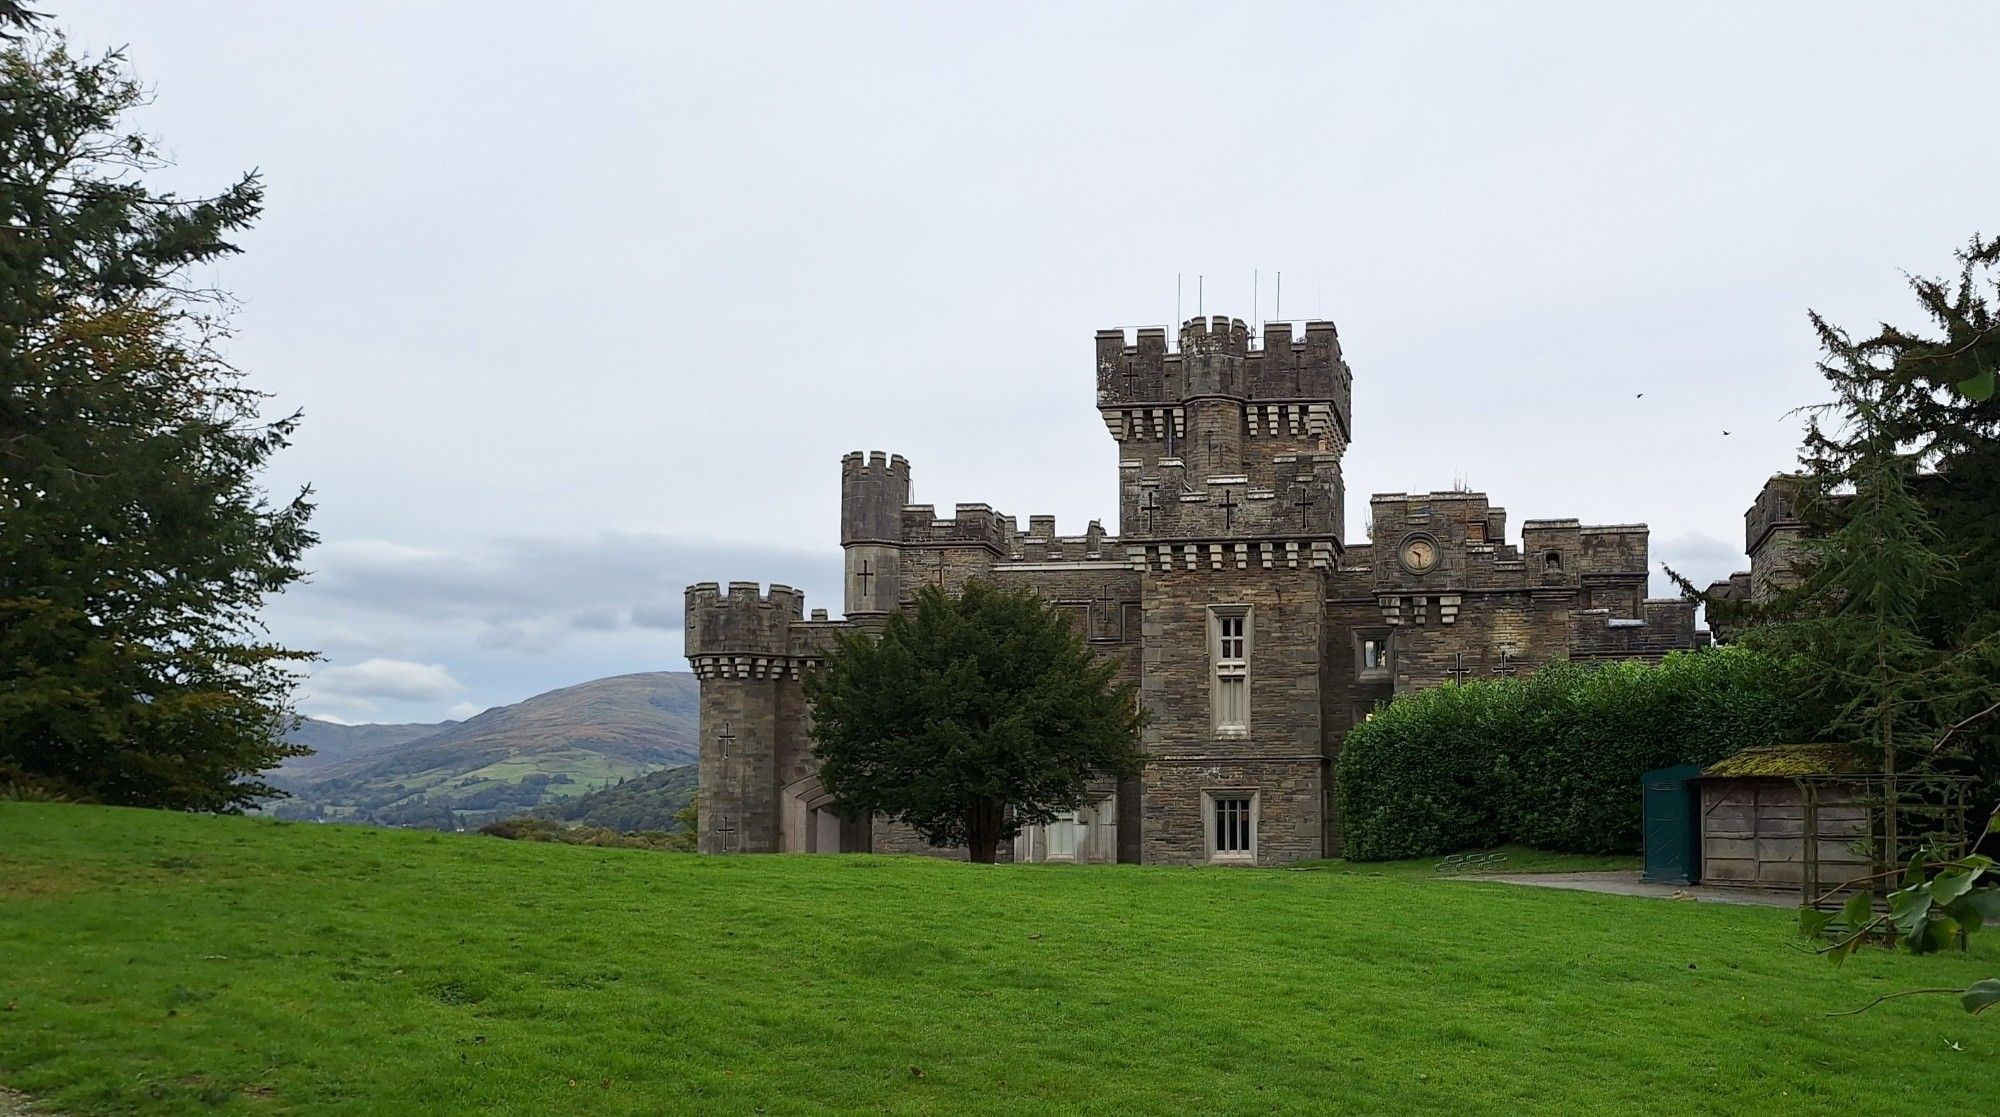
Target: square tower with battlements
x: 1256, y: 634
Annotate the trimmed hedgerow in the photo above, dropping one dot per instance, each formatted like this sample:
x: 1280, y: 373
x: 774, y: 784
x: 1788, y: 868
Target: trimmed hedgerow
x: 1552, y: 760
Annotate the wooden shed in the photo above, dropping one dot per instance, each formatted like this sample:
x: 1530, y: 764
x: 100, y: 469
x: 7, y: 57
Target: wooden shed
x: 1767, y: 812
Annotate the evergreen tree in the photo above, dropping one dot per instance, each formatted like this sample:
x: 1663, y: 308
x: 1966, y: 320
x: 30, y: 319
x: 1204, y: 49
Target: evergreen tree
x: 1930, y: 395
x: 1897, y: 603
x: 976, y: 716
x: 1857, y: 614
x: 135, y: 544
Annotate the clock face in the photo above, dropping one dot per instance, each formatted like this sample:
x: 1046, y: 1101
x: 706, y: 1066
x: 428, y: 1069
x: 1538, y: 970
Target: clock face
x: 1419, y: 555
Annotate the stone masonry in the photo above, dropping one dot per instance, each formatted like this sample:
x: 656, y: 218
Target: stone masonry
x: 1256, y: 633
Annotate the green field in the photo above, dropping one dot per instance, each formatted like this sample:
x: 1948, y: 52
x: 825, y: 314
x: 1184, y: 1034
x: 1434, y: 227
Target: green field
x: 159, y: 963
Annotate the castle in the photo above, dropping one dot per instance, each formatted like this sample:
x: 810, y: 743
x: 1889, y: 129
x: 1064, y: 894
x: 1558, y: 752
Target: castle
x: 1257, y: 634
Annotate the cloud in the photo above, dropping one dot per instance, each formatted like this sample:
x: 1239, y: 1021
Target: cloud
x: 420, y: 632
x: 387, y: 678
x: 659, y: 614
x: 1699, y: 558
x: 536, y: 595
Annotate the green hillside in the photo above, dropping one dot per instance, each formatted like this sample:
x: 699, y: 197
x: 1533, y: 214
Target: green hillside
x: 157, y: 963
x: 646, y: 803
x: 507, y: 760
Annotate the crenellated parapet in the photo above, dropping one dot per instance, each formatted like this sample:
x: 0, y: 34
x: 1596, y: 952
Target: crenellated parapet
x: 970, y: 525
x: 1141, y: 383
x: 1218, y: 336
x: 874, y: 488
x: 747, y: 633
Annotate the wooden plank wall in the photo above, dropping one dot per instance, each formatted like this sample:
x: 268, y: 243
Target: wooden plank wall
x: 1753, y: 835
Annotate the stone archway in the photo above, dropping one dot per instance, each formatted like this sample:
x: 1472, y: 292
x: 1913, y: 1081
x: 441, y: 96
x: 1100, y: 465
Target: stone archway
x: 814, y: 824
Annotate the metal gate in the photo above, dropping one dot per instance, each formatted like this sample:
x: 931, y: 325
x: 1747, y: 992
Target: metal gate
x: 1672, y: 816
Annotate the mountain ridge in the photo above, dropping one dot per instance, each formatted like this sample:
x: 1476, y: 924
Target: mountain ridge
x: 505, y: 760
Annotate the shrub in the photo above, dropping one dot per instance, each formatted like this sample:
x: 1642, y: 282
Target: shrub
x: 1552, y: 760
x: 531, y: 829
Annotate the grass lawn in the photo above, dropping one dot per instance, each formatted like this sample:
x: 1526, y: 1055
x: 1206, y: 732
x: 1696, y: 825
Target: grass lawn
x: 159, y: 963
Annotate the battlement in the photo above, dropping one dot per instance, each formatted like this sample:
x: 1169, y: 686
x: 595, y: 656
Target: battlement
x: 970, y: 524
x: 1776, y: 506
x: 873, y: 490
x: 1223, y: 335
x: 1410, y: 498
x: 1218, y: 356
x: 875, y: 465
x: 743, y: 620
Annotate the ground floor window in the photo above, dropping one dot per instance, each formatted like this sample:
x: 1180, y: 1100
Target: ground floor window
x: 1087, y: 834
x: 1062, y: 837
x: 1231, y: 825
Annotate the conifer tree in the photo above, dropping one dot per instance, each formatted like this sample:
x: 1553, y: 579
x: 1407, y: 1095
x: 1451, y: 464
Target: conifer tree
x: 1897, y: 602
x: 976, y: 716
x: 1857, y: 614
x: 135, y: 544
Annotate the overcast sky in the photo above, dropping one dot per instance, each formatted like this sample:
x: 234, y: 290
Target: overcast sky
x: 584, y: 302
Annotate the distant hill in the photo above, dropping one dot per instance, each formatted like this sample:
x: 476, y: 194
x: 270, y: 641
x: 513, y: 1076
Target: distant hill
x: 506, y: 761
x: 646, y: 803
x: 333, y: 743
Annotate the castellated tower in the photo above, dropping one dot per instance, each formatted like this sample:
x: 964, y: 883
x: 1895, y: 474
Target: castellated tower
x: 758, y: 793
x: 1231, y: 505
x: 873, y: 491
x: 1229, y: 438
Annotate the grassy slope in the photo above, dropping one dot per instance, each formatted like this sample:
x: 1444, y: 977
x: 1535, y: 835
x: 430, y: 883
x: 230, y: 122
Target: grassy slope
x: 157, y: 963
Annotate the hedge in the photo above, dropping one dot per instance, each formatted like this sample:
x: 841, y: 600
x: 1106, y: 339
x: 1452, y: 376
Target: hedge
x: 1552, y: 760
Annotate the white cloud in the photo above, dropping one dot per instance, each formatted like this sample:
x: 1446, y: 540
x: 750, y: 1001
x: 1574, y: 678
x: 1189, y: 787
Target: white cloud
x: 386, y: 678
x: 530, y: 595
x: 405, y: 625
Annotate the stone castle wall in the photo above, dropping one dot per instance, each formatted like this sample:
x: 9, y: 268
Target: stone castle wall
x: 1231, y: 496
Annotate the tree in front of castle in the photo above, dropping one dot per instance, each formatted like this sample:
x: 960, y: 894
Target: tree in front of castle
x: 135, y: 543
x: 971, y: 718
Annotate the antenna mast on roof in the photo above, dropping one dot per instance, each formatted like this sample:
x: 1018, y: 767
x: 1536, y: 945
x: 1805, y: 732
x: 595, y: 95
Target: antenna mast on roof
x: 1253, y: 302
x: 1279, y: 311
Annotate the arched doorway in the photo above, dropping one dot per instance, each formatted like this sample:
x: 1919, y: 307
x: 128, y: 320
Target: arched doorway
x: 813, y: 823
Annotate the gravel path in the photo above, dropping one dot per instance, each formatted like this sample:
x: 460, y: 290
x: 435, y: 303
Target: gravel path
x: 1629, y: 884
x: 13, y: 1103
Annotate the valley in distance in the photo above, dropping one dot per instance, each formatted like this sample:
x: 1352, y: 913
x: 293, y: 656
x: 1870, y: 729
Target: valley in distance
x: 617, y: 752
